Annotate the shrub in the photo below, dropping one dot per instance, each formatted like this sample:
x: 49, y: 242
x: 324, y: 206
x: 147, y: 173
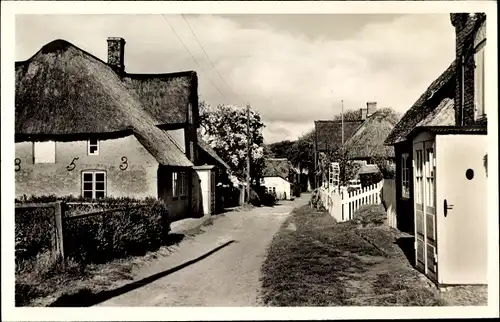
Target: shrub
x: 268, y: 199
x: 367, y: 179
x: 370, y: 215
x: 34, y: 231
x: 254, y: 198
x: 315, y: 200
x: 130, y: 231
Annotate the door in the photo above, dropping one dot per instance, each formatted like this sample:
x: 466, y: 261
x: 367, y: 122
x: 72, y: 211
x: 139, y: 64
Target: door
x: 462, y: 209
x: 424, y: 171
x: 212, y: 191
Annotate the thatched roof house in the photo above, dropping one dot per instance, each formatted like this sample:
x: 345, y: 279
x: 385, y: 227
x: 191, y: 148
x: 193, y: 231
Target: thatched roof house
x: 210, y: 151
x: 368, y: 140
x: 64, y: 93
x: 278, y: 167
x: 329, y: 133
x: 426, y: 110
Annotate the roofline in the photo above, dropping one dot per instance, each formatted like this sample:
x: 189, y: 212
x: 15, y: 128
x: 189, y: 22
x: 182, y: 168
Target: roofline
x: 338, y: 121
x: 450, y: 130
x: 40, y: 137
x: 191, y: 73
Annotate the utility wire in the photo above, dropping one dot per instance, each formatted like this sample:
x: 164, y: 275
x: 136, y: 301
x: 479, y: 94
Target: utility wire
x: 206, y: 55
x: 187, y: 49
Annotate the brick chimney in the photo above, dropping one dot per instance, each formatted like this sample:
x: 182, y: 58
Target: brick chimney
x: 116, y: 49
x: 363, y: 113
x: 370, y: 108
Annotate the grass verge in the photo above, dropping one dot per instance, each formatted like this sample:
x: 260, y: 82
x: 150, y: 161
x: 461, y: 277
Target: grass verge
x: 314, y: 261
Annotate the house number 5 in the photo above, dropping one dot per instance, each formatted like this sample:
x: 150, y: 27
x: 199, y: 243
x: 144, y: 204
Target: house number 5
x: 17, y: 162
x: 72, y: 165
x: 124, y: 164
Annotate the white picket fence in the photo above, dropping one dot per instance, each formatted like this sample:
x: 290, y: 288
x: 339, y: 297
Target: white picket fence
x: 342, y: 204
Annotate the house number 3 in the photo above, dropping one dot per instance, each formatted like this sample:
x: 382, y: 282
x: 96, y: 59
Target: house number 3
x: 17, y: 162
x: 124, y: 164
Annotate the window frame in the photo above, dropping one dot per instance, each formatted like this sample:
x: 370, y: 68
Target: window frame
x: 90, y: 144
x: 479, y: 72
x: 405, y: 175
x: 94, y: 183
x: 175, y: 184
x: 183, y: 184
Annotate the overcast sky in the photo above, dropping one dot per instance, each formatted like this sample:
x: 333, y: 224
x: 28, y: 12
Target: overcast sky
x: 293, y: 69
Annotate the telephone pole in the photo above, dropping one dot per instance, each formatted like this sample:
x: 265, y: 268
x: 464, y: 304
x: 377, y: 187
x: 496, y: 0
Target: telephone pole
x: 342, y: 156
x: 248, y: 152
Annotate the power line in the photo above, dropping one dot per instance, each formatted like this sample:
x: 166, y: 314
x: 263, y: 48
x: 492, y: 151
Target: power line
x: 206, y: 55
x: 187, y: 49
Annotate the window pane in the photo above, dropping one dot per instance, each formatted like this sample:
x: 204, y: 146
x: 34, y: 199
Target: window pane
x: 87, y: 186
x: 99, y: 186
x: 87, y: 194
x: 93, y: 149
x: 99, y: 194
x: 99, y: 177
x: 87, y: 177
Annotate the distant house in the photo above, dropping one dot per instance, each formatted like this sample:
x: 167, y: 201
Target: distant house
x: 441, y: 176
x: 328, y: 139
x: 367, y: 143
x: 279, y: 175
x: 84, y: 127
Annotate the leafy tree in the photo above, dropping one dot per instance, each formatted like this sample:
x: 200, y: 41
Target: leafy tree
x: 349, y: 115
x: 224, y: 127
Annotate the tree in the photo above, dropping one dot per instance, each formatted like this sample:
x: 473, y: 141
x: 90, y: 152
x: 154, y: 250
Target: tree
x: 224, y: 127
x: 349, y: 115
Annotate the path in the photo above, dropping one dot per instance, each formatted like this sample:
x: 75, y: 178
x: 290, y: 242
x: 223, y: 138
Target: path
x: 228, y: 275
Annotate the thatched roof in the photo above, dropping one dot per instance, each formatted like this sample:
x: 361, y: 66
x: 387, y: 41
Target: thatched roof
x: 443, y: 87
x: 278, y: 167
x: 208, y: 149
x: 63, y: 92
x: 329, y: 133
x: 165, y: 96
x: 368, y: 140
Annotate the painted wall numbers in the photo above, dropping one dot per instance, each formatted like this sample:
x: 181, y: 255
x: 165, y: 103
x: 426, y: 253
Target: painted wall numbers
x: 17, y: 163
x: 124, y: 164
x: 72, y: 165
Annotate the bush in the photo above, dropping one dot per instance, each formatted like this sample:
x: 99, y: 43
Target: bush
x: 315, y: 200
x: 370, y: 215
x: 139, y: 226
x: 254, y: 198
x: 268, y: 199
x: 367, y: 179
x: 131, y: 231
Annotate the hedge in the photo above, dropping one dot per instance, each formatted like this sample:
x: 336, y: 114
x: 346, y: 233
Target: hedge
x: 136, y: 227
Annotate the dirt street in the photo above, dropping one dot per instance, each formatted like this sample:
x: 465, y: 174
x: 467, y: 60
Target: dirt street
x: 220, y: 267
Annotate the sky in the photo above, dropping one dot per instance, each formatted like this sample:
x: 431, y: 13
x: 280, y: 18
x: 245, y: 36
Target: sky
x: 294, y: 69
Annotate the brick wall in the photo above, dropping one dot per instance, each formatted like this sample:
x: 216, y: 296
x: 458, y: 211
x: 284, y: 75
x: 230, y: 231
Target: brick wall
x: 464, y: 30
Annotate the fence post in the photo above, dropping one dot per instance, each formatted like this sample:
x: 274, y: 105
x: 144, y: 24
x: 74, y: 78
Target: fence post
x: 58, y: 209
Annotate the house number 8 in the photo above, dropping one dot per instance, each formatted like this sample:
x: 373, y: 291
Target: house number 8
x: 124, y: 164
x: 17, y: 162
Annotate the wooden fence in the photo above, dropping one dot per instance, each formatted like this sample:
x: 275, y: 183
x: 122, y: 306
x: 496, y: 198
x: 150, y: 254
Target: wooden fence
x: 342, y: 205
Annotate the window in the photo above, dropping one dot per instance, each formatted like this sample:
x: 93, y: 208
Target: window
x: 405, y: 175
x: 191, y: 150
x: 479, y: 49
x: 183, y: 184
x: 190, y: 113
x: 174, y: 184
x: 179, y: 184
x: 44, y: 152
x: 94, y: 184
x: 93, y: 147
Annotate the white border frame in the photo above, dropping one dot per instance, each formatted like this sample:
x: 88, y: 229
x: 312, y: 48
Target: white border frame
x: 11, y: 8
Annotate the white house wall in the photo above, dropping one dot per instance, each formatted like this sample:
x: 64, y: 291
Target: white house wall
x: 138, y: 179
x: 283, y: 187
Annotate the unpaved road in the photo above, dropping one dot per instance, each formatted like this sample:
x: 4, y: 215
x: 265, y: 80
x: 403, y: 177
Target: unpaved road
x: 220, y: 267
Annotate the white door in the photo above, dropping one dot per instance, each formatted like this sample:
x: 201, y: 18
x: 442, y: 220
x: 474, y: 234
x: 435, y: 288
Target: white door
x: 462, y: 209
x: 424, y: 171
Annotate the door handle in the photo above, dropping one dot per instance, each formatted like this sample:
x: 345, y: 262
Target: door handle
x: 447, y: 207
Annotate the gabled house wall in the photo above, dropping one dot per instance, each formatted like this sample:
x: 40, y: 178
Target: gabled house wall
x: 137, y: 180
